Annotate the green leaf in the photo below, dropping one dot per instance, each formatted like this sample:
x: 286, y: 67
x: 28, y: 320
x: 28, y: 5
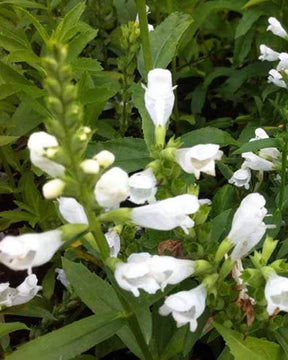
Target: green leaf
x: 86, y: 64
x: 208, y: 135
x: 249, y: 348
x: 5, y: 140
x: 126, y: 10
x: 147, y: 124
x: 282, y: 337
x: 24, y: 4
x: 257, y: 145
x: 7, y: 328
x: 131, y: 153
x: 85, y: 34
x: 41, y: 30
x: 71, y: 340
x: 249, y: 18
x: 253, y: 3
x: 223, y: 200
x: 164, y: 40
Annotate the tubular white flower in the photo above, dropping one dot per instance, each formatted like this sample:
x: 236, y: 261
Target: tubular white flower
x: 199, y: 158
x: 6, y: 295
x: 25, y: 251
x: 241, y: 178
x: 143, y: 187
x: 267, y: 153
x: 276, y: 78
x: 112, y: 188
x: 276, y: 28
x: 151, y: 272
x: 61, y: 276
x: 268, y: 54
x: 105, y: 158
x: 53, y: 188
x: 248, y: 227
x: 167, y: 214
x: 159, y: 96
x: 255, y: 162
x: 72, y: 211
x: 186, y: 306
x: 90, y: 166
x: 276, y: 293
x: 38, y: 145
x: 114, y: 243
x: 26, y: 291
x: 283, y: 64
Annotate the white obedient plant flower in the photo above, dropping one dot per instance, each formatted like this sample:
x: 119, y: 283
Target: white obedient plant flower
x: 283, y: 63
x: 241, y: 178
x: 151, y: 272
x: 20, y: 295
x: 25, y: 251
x: 186, y: 306
x: 53, y: 189
x: 142, y: 187
x: 199, y: 158
x: 248, y: 227
x: 276, y: 293
x: 159, y: 96
x: 90, y: 166
x: 112, y: 188
x: 268, y: 54
x: 167, y: 214
x: 105, y: 158
x: 38, y: 144
x: 276, y: 78
x: 276, y: 28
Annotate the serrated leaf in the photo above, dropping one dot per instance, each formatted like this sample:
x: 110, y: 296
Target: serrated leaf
x: 86, y: 64
x: 249, y: 18
x: 253, y: 3
x: 208, y: 135
x: 257, y: 145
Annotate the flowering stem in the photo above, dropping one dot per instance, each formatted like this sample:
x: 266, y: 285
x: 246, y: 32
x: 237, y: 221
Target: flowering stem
x: 283, y: 174
x: 144, y: 33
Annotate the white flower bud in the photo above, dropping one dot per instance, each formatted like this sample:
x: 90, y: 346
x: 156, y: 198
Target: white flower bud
x: 241, y: 178
x: 72, y: 211
x: 268, y: 54
x: 186, y: 306
x: 61, y: 276
x: 276, y: 28
x: 53, y: 189
x: 105, y: 158
x: 90, y: 166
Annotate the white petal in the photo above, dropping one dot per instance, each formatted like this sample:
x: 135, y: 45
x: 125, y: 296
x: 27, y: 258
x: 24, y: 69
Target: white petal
x: 72, y: 211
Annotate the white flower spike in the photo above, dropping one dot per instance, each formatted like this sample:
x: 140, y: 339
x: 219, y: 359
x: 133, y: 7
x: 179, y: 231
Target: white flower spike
x: 38, y: 144
x: 199, y: 158
x: 159, y: 96
x: 276, y: 28
x: 268, y: 54
x: 248, y: 227
x: 186, y: 306
x: 112, y: 188
x: 53, y: 189
x: 167, y: 214
x: 143, y: 187
x: 241, y: 178
x: 276, y: 78
x: 151, y: 272
x: 276, y: 293
x: 25, y: 251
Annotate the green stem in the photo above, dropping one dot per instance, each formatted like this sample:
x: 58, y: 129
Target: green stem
x: 174, y: 76
x: 283, y: 174
x: 144, y: 33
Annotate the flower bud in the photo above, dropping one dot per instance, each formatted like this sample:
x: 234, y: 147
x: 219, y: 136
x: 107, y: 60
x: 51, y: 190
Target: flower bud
x: 90, y: 166
x: 276, y: 28
x: 105, y: 158
x: 53, y: 189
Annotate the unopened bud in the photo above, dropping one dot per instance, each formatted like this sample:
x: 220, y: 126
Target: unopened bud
x: 105, y: 158
x: 90, y: 166
x: 53, y: 189
x: 51, y: 152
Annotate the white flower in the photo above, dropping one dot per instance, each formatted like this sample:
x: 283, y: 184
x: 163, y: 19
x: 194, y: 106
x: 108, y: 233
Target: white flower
x: 186, y: 306
x: 283, y: 63
x: 268, y: 54
x: 241, y: 178
x: 167, y: 214
x: 29, y: 250
x: 90, y: 166
x: 105, y: 158
x: 255, y: 162
x: 276, y: 293
x: 38, y: 144
x: 276, y: 78
x: 151, y: 272
x: 199, y: 158
x: 61, y: 276
x: 53, y: 188
x: 113, y: 240
x: 72, y: 211
x: 159, y: 96
x: 21, y: 295
x: 267, y: 153
x: 143, y: 187
x: 112, y: 188
x: 248, y: 227
x: 26, y: 291
x: 276, y: 28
